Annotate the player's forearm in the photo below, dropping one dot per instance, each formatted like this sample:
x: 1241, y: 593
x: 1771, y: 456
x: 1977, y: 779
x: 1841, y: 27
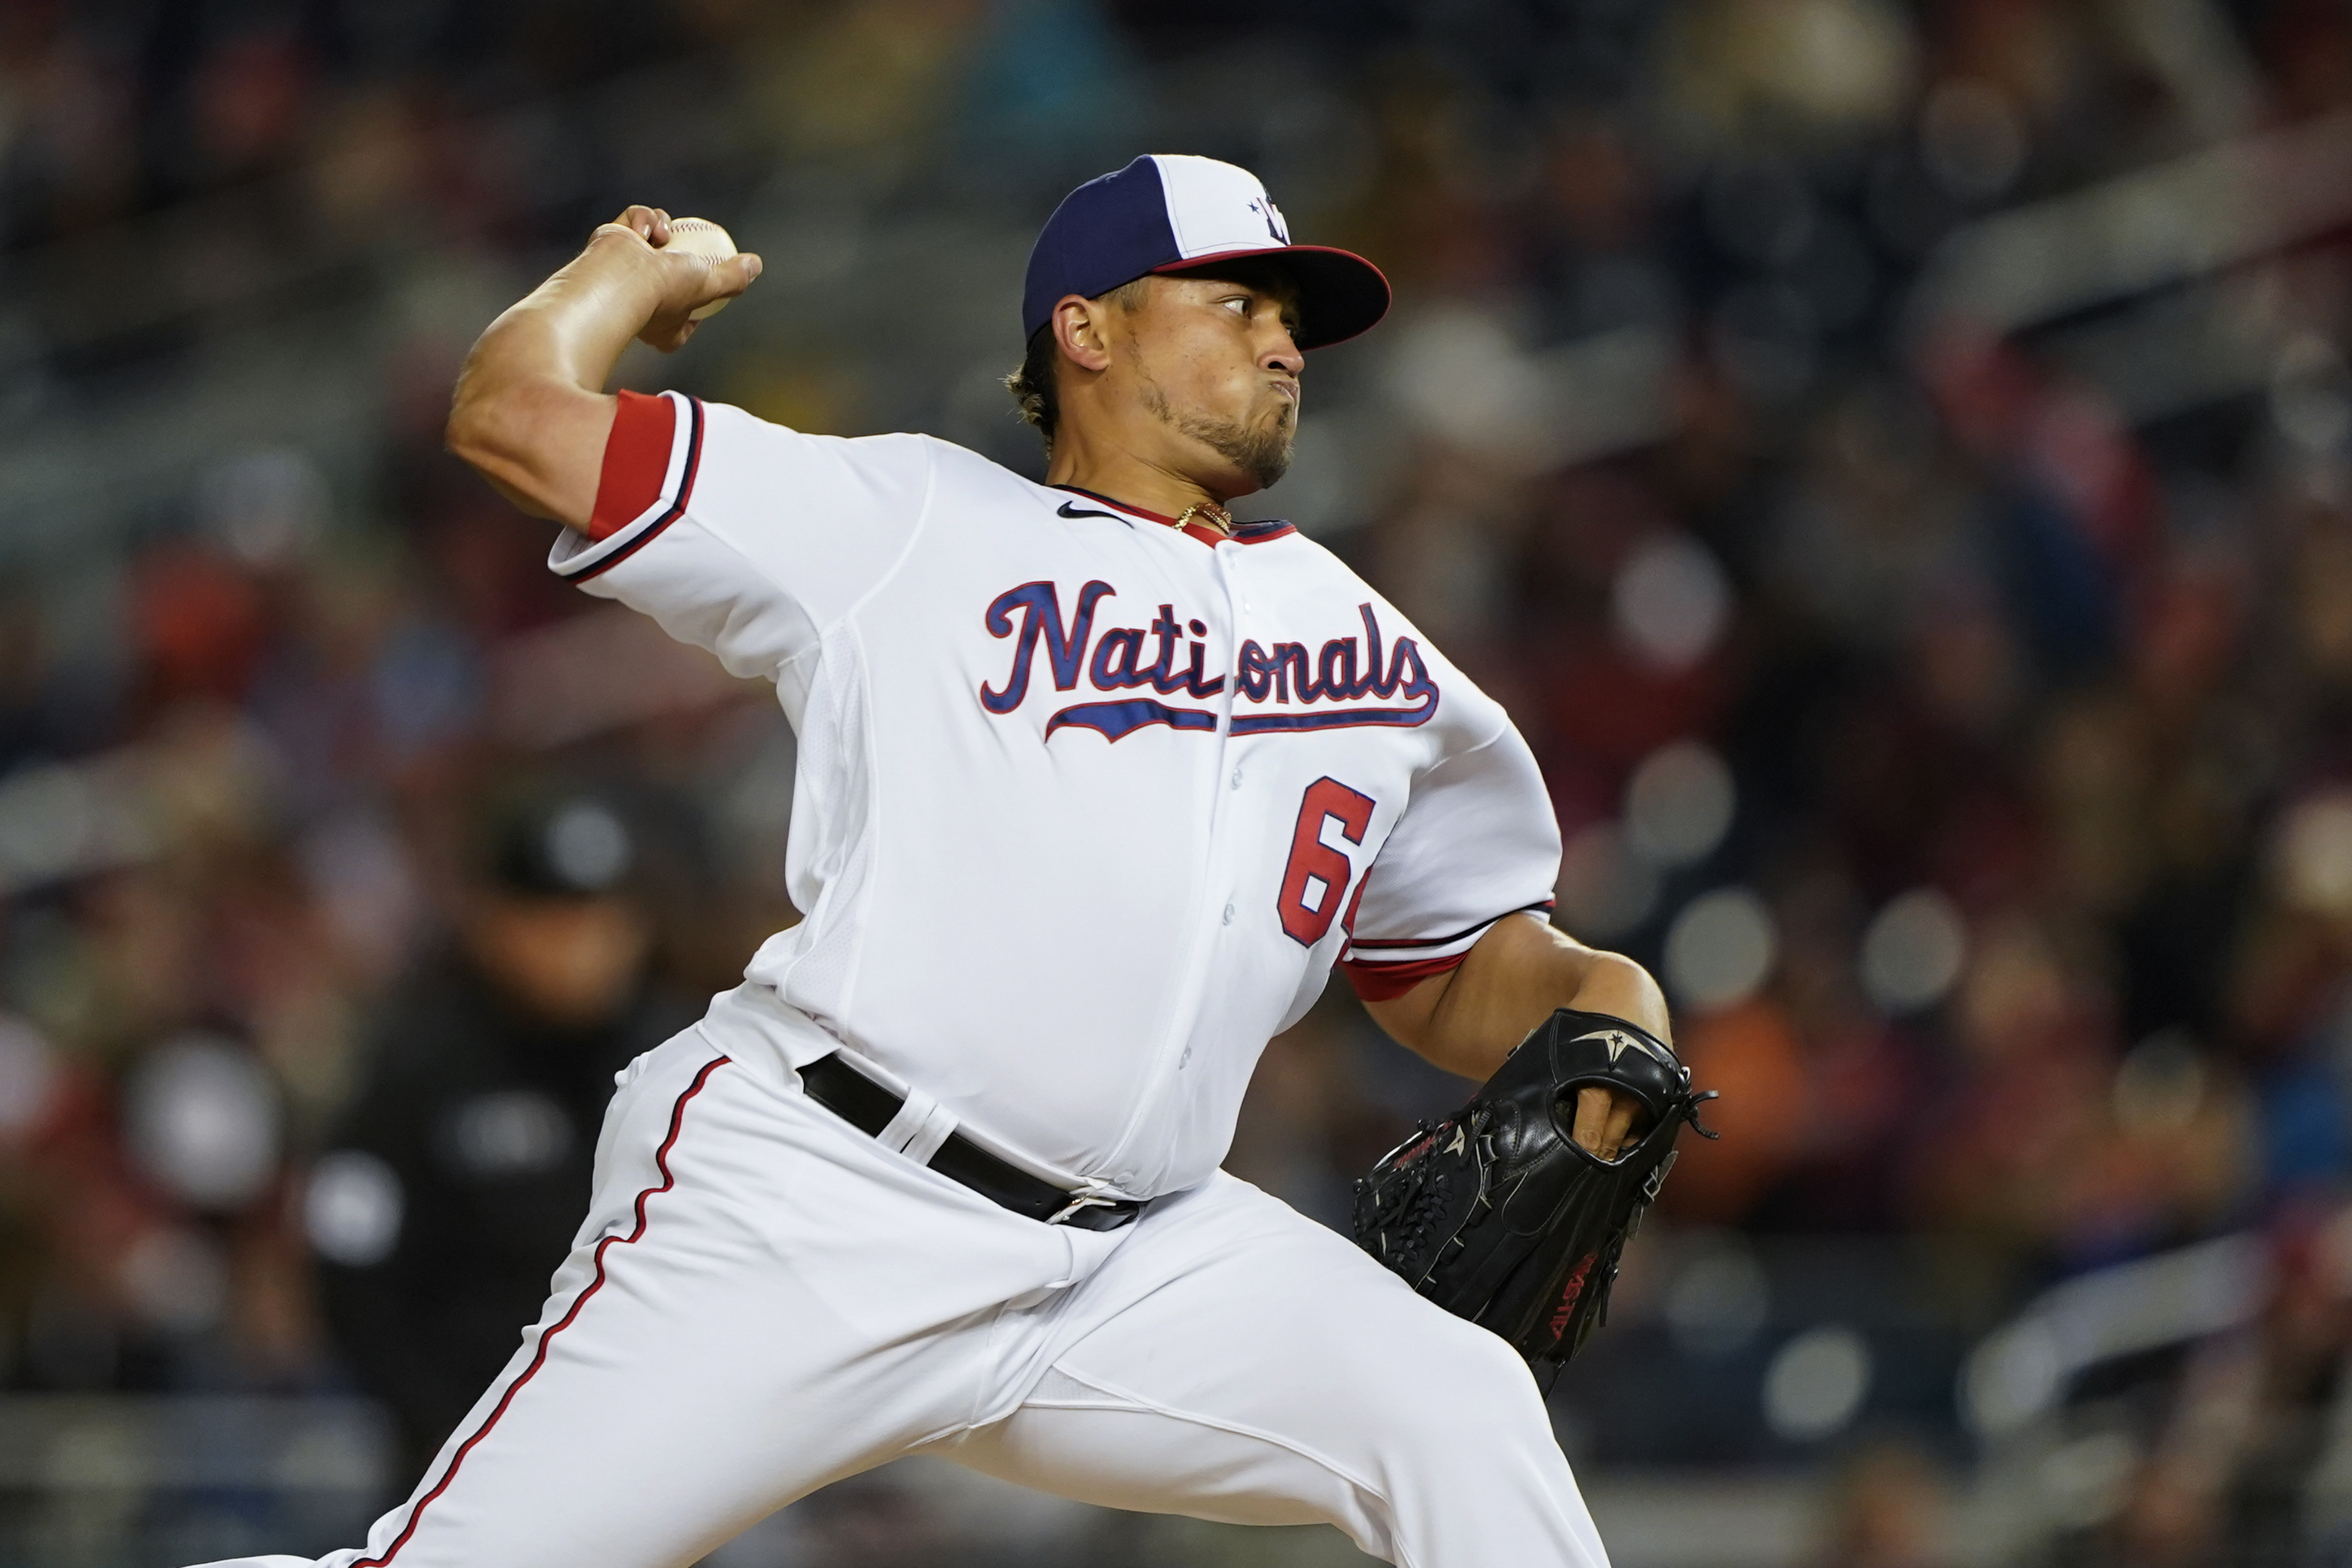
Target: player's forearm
x: 531, y: 414
x: 573, y: 327
x: 1467, y: 1020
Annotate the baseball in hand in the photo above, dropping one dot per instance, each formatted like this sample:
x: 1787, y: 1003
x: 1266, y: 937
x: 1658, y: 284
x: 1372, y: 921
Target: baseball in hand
x: 700, y: 237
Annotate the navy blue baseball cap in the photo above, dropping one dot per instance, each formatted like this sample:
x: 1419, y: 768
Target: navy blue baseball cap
x: 1170, y: 211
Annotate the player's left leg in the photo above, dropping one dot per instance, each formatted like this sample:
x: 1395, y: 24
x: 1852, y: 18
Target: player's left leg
x: 1235, y: 1361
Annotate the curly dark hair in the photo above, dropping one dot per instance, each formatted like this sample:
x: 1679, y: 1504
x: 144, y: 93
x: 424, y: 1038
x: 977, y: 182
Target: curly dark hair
x: 1032, y: 382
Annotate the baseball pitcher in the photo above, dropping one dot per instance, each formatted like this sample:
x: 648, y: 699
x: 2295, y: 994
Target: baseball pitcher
x: 1095, y: 785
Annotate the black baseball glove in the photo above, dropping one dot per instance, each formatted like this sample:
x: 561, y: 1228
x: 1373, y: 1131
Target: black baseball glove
x: 1499, y: 1216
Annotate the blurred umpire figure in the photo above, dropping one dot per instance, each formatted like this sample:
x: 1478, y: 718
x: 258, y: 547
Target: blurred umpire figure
x: 449, y: 1191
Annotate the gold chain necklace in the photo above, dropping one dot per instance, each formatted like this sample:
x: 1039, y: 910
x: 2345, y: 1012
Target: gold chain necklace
x: 1209, y: 512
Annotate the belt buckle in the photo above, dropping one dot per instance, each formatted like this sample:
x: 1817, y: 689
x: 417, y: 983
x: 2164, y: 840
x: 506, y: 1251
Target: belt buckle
x: 1078, y: 1201
x: 1094, y: 1194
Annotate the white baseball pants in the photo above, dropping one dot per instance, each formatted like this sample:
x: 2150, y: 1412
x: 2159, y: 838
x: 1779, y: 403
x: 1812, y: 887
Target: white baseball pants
x: 764, y: 1300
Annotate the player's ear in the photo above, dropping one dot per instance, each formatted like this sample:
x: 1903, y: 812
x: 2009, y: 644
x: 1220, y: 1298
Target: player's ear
x: 1081, y: 328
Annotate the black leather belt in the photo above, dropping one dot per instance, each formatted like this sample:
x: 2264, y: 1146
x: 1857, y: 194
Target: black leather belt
x: 869, y: 1107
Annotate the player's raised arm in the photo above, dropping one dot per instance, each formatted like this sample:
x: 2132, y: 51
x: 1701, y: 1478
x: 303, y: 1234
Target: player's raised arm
x: 530, y: 412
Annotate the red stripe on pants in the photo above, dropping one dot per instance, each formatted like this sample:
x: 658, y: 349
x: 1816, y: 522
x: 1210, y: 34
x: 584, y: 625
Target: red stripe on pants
x: 661, y: 1164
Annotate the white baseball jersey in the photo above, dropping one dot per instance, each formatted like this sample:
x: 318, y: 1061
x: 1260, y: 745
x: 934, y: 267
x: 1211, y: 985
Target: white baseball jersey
x: 1088, y: 804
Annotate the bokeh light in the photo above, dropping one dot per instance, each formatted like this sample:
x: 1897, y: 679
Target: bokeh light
x: 353, y: 1209
x: 1816, y: 1383
x: 1679, y: 802
x: 1913, y: 950
x: 201, y: 1117
x: 1670, y: 603
x: 1720, y: 949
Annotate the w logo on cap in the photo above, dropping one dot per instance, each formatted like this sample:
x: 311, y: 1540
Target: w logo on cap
x: 1264, y: 207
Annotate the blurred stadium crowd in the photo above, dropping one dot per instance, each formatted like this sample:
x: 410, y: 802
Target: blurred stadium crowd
x: 1895, y: 461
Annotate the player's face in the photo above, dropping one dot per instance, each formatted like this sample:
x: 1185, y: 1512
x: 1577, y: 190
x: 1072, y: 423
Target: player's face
x: 568, y: 961
x: 1215, y: 361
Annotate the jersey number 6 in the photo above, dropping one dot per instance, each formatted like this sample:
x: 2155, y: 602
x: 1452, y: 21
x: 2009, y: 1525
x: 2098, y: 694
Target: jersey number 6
x: 1316, y: 880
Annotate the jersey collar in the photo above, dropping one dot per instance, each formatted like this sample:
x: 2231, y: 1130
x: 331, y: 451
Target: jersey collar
x: 1245, y: 533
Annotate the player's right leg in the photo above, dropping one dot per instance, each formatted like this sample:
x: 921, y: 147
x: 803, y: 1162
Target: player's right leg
x: 761, y: 1301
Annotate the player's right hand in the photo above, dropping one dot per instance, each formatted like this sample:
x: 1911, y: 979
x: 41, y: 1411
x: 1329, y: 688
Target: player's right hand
x: 687, y: 281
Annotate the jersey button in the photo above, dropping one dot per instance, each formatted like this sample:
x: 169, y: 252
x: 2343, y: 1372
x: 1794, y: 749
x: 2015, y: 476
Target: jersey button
x: 1237, y: 778
x: 1229, y: 915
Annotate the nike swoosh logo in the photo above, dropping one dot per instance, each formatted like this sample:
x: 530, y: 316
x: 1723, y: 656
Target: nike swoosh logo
x: 1072, y: 510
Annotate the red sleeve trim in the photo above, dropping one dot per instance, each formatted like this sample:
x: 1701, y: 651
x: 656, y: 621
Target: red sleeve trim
x: 1386, y: 982
x: 637, y: 461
